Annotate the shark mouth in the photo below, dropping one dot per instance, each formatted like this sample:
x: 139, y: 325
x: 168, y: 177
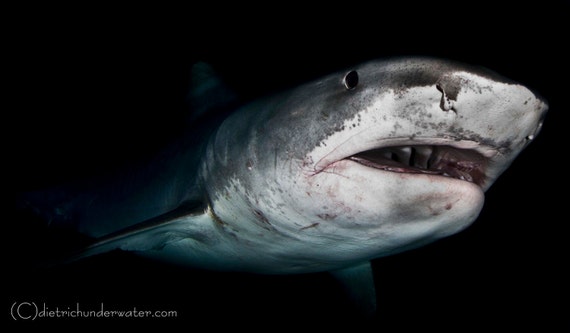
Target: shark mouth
x: 464, y: 164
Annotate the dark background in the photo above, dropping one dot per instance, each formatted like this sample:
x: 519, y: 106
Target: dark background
x: 93, y: 89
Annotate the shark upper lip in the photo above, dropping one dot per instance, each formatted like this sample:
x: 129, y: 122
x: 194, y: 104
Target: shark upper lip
x: 444, y: 160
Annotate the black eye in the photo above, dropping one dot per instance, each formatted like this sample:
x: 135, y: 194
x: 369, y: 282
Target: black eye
x: 350, y: 80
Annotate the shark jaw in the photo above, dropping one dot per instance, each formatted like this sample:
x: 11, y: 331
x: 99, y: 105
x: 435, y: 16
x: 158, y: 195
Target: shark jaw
x: 438, y: 158
x: 447, y: 161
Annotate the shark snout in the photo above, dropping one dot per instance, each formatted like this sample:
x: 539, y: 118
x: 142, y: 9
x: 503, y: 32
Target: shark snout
x: 502, y: 114
x: 541, y: 110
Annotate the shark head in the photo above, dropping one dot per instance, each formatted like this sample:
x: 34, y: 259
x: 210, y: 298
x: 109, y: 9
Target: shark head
x: 374, y: 160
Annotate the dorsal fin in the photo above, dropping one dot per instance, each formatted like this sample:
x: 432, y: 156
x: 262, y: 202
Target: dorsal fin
x: 208, y: 92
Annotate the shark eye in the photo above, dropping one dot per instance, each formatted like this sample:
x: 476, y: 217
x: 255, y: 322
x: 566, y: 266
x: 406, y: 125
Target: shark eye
x: 350, y: 80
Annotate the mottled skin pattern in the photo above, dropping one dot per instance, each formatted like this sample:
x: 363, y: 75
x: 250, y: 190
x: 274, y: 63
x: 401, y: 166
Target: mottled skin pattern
x: 276, y: 189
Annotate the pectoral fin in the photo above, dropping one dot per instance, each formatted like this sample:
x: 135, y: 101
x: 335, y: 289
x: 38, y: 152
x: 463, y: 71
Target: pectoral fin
x: 153, y: 234
x: 358, y: 282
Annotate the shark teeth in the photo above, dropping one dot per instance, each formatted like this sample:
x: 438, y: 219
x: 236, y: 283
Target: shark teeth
x: 463, y: 164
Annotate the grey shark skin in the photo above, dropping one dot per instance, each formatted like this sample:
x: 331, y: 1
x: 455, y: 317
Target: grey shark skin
x: 380, y: 158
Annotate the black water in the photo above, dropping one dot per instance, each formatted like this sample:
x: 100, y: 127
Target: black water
x: 93, y: 92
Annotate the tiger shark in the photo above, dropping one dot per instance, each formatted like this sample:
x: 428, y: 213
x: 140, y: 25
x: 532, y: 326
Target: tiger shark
x: 380, y: 158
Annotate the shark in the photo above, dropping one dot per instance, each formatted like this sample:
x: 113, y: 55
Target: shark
x: 380, y: 158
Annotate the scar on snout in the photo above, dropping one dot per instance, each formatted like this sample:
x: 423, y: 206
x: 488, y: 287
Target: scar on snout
x: 310, y: 226
x: 448, y: 206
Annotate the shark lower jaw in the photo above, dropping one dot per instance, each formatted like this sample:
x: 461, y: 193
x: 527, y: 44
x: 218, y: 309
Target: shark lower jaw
x: 435, y: 160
